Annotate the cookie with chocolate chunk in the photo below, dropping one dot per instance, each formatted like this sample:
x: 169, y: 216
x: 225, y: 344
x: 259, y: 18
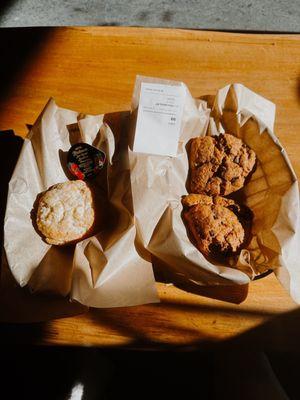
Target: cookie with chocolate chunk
x: 219, y: 165
x: 214, y: 224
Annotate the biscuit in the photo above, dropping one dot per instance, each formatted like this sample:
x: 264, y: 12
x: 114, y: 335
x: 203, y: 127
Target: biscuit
x: 65, y: 212
x: 219, y: 165
x: 214, y: 224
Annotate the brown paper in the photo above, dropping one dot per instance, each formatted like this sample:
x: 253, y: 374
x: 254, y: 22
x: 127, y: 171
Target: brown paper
x: 102, y: 271
x: 159, y: 182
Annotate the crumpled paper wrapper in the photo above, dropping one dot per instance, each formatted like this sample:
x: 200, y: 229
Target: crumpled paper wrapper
x: 159, y: 182
x: 102, y: 271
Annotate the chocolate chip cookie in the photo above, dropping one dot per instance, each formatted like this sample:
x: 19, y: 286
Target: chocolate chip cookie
x: 213, y: 223
x: 219, y: 165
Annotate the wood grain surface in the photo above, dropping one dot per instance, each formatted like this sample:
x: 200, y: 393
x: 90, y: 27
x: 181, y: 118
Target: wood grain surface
x: 93, y: 70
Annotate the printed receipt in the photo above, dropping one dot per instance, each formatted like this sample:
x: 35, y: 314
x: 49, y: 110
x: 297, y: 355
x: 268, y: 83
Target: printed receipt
x: 159, y: 119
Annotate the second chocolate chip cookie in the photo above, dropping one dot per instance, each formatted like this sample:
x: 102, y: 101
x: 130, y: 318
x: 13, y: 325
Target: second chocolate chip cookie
x: 219, y: 165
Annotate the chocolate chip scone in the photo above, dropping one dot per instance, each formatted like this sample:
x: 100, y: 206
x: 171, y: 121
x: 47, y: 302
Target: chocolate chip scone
x: 214, y: 224
x: 65, y: 212
x: 219, y: 165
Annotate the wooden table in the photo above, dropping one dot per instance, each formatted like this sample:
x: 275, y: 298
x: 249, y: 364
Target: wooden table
x: 93, y: 70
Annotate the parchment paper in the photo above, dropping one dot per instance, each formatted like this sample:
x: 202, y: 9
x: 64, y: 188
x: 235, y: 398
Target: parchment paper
x: 102, y: 271
x: 159, y: 182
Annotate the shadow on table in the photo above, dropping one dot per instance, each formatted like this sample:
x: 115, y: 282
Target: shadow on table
x: 261, y: 363
x: 10, y: 147
x: 56, y: 373
x: 230, y: 293
x: 278, y: 333
x: 18, y: 51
